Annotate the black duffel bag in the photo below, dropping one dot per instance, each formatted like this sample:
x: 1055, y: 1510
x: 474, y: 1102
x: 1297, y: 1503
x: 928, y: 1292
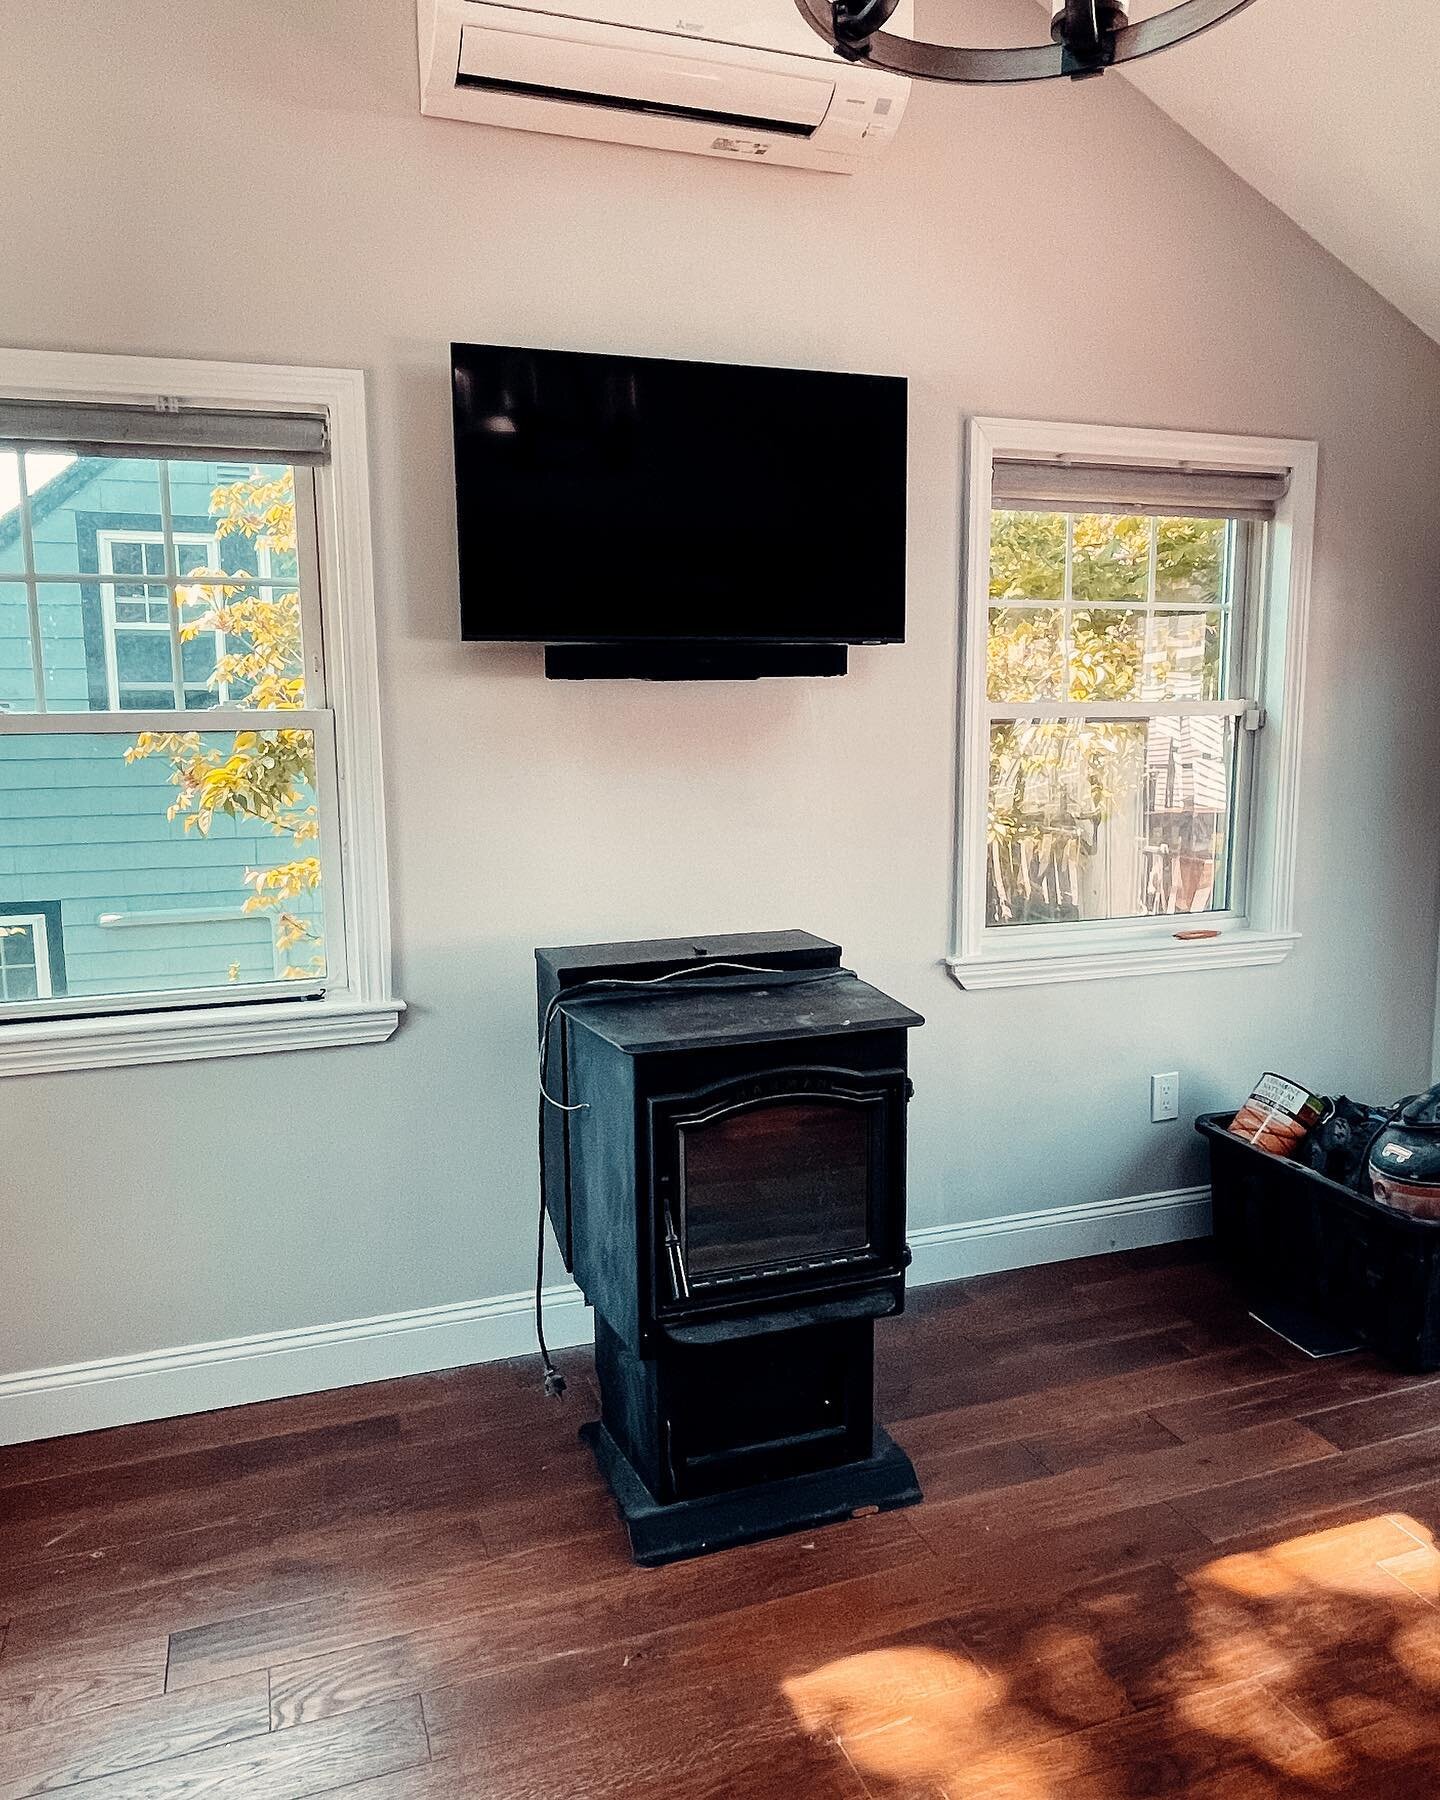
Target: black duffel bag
x: 1339, y: 1146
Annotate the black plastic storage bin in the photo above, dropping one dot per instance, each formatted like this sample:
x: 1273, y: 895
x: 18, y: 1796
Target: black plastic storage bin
x: 1296, y: 1239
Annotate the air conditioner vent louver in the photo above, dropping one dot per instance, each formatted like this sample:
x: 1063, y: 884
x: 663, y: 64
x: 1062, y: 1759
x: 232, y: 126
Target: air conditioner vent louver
x: 631, y: 103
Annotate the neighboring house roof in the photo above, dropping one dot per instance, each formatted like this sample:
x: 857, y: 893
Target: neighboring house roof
x: 54, y: 494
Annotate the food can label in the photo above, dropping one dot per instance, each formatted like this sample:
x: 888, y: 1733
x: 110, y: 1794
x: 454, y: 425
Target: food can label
x: 1278, y: 1114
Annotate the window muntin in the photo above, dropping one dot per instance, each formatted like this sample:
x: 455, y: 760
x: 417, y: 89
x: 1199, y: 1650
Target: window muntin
x: 144, y: 597
x: 1115, y: 686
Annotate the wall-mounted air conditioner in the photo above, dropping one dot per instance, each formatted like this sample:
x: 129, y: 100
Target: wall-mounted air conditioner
x: 744, y: 79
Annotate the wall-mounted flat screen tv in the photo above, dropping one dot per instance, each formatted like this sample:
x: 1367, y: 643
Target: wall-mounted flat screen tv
x: 620, y: 499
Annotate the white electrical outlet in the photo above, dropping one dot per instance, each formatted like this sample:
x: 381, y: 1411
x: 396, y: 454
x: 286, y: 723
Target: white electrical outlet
x: 1165, y: 1097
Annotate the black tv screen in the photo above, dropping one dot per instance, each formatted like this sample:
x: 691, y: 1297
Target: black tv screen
x: 623, y: 498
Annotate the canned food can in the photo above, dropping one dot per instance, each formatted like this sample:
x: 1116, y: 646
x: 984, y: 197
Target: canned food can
x: 1278, y: 1115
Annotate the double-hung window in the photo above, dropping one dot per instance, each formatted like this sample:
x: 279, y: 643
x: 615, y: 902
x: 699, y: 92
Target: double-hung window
x: 1133, y: 645
x: 191, y: 820
x: 136, y: 620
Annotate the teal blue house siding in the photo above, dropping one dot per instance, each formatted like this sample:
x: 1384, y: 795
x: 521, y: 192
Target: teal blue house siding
x: 83, y: 828
x: 84, y: 840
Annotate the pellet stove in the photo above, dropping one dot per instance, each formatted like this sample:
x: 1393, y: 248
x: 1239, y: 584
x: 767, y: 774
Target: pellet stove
x: 723, y: 1161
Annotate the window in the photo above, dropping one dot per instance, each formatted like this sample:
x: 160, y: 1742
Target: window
x: 32, y: 957
x: 137, y: 618
x: 1132, y: 653
x: 188, y: 757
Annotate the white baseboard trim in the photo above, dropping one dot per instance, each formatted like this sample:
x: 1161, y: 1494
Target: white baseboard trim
x: 1059, y: 1234
x: 163, y: 1384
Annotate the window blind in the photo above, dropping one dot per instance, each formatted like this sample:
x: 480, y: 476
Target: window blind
x: 1192, y: 492
x: 149, y: 431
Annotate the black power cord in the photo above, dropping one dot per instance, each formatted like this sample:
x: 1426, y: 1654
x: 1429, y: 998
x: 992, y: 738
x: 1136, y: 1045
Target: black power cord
x: 554, y: 1381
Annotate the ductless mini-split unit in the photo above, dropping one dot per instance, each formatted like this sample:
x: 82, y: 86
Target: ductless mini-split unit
x: 743, y: 79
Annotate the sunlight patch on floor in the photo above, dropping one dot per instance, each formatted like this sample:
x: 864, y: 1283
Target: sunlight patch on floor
x: 1287, y: 1668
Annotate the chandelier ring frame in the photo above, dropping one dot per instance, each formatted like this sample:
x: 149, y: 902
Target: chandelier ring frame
x: 1042, y: 62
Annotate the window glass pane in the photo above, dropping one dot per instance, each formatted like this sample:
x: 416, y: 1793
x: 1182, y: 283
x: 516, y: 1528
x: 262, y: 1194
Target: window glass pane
x: 20, y: 982
x: 198, y: 657
x: 1108, y: 819
x: 72, y: 646
x: 46, y: 477
x: 78, y: 505
x: 1026, y: 653
x: 17, y: 674
x: 196, y: 555
x: 253, y: 631
x: 1184, y: 656
x: 1027, y: 556
x: 1107, y: 649
x: 143, y: 656
x: 1190, y: 560
x: 146, y: 904
x: 258, y: 508
x: 283, y: 565
x: 12, y: 547
x: 1110, y: 557
x: 100, y: 547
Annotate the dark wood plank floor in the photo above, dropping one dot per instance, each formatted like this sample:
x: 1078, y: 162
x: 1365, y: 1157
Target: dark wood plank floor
x: 1160, y: 1554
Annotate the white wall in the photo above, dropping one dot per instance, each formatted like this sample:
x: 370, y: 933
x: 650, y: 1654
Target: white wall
x: 256, y: 182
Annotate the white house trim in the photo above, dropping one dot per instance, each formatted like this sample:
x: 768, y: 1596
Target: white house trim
x: 359, y: 1005
x: 1265, y: 932
x: 159, y: 1384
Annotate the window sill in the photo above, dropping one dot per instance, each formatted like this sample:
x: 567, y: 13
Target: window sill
x: 1120, y: 957
x: 188, y: 1034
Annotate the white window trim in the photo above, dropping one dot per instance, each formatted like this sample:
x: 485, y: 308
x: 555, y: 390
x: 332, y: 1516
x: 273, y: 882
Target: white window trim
x: 363, y: 1009
x: 1264, y: 933
x: 39, y: 928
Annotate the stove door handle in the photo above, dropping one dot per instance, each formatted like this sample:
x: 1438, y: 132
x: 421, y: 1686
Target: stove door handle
x: 679, y: 1280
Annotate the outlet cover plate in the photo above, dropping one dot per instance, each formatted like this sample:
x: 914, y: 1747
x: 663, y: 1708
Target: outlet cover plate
x: 1164, y: 1097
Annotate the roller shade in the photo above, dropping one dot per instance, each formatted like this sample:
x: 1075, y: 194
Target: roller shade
x: 114, y: 430
x: 1192, y: 493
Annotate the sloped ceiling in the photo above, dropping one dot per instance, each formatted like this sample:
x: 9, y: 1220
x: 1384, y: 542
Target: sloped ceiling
x: 1330, y: 109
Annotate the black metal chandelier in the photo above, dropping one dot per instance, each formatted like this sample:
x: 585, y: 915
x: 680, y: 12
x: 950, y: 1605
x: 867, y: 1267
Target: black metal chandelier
x: 1088, y: 37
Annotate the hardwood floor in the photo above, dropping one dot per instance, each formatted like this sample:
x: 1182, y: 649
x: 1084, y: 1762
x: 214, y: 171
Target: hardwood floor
x: 1160, y: 1554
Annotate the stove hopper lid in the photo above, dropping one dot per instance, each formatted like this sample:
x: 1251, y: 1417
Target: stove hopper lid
x: 708, y: 1012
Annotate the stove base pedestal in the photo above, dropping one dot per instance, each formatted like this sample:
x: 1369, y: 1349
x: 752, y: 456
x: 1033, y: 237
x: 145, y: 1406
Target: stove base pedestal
x: 667, y: 1533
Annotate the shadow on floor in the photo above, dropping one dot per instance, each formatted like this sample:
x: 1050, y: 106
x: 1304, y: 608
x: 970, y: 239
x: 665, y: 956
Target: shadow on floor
x: 1309, y: 1667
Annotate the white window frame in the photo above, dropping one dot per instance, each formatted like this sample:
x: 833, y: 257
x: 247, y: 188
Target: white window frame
x: 39, y: 928
x: 358, y: 1004
x: 1259, y: 928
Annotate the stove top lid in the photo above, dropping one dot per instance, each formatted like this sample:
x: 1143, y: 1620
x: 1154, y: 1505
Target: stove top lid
x: 695, y: 1012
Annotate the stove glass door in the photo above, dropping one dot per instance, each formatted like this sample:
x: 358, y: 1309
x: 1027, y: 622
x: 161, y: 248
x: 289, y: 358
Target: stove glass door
x: 777, y: 1182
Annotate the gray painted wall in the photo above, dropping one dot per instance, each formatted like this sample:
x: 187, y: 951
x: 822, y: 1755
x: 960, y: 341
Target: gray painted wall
x: 1056, y: 252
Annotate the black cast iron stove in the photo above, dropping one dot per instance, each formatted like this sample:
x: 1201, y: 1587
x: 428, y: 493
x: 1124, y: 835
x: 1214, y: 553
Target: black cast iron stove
x: 723, y: 1160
